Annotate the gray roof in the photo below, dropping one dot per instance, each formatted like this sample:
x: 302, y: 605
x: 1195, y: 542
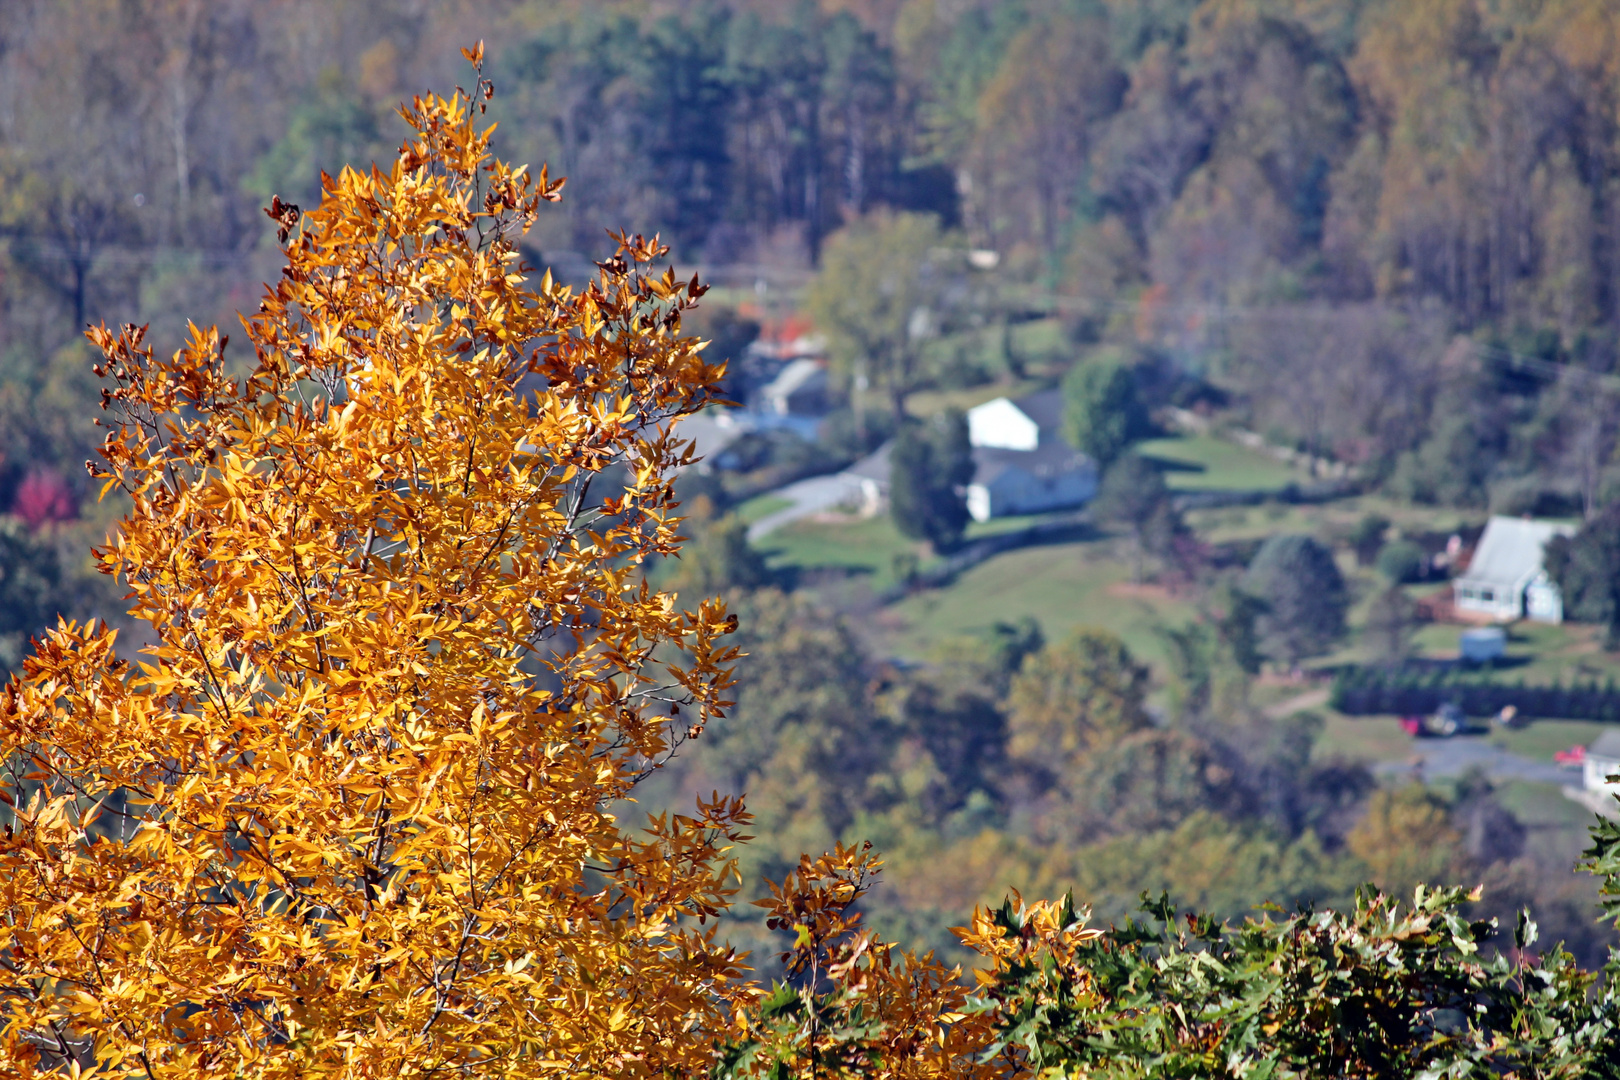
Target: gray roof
x: 1607, y: 745
x: 874, y: 466
x: 1509, y: 552
x: 1045, y: 407
x: 1050, y: 458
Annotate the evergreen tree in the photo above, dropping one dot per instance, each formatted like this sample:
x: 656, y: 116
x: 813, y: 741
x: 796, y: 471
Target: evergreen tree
x: 1305, y: 598
x: 1388, y: 634
x: 1586, y: 568
x: 930, y: 465
x: 1133, y: 494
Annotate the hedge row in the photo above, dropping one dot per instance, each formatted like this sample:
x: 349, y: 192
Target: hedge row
x: 1372, y: 691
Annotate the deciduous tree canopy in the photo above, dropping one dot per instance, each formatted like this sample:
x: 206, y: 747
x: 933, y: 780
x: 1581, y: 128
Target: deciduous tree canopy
x: 350, y: 815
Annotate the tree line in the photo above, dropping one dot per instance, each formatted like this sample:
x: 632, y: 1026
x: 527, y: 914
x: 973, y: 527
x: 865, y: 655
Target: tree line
x: 1304, y: 203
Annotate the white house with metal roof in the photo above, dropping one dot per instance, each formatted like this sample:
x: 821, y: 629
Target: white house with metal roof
x: 1022, y: 462
x: 1506, y: 578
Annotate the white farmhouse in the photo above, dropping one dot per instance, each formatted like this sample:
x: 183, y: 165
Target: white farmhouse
x: 1506, y: 580
x: 1022, y: 463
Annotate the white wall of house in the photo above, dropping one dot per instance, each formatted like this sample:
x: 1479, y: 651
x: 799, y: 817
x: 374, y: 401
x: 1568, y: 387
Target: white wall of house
x: 1003, y: 425
x: 1595, y: 771
x: 1503, y: 603
x: 1542, y: 600
x: 1016, y: 491
x: 979, y: 507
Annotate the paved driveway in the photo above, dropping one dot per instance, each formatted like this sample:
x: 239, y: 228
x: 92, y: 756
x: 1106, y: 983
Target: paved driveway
x: 1456, y: 755
x: 810, y: 496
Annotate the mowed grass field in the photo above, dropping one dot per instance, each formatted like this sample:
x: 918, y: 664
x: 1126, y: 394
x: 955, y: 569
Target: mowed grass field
x: 862, y: 548
x: 1206, y: 463
x: 1380, y: 738
x: 1062, y: 586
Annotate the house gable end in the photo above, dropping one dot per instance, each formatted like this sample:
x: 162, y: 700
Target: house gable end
x: 1001, y: 425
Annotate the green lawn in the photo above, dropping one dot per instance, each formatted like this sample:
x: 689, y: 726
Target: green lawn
x: 1206, y: 463
x: 864, y: 547
x: 1544, y: 738
x: 1328, y: 521
x: 1536, y: 652
x: 1362, y: 738
x: 926, y: 403
x: 1062, y: 586
x: 761, y: 505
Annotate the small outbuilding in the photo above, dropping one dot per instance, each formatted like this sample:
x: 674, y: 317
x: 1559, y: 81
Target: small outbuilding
x: 1484, y: 645
x: 1506, y: 579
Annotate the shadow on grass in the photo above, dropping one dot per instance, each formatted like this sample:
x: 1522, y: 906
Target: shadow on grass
x: 1164, y: 464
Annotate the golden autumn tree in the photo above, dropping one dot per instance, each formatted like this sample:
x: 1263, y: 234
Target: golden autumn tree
x: 352, y: 811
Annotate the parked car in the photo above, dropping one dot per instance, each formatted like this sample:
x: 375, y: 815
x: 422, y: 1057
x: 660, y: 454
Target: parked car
x: 1444, y: 722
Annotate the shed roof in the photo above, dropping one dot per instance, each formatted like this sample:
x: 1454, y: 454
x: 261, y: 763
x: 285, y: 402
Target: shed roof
x: 1510, y: 551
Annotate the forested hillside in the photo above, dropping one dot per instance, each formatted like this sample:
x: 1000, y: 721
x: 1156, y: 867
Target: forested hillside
x: 1306, y: 289
x: 1305, y: 201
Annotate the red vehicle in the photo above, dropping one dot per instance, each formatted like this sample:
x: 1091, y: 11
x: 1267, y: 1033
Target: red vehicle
x: 1572, y: 757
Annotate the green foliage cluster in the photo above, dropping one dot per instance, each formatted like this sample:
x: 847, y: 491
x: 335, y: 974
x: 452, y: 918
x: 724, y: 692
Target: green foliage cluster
x: 1103, y: 413
x: 1381, y: 989
x: 1586, y: 568
x: 1381, y: 691
x: 1402, y: 562
x: 1133, y: 494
